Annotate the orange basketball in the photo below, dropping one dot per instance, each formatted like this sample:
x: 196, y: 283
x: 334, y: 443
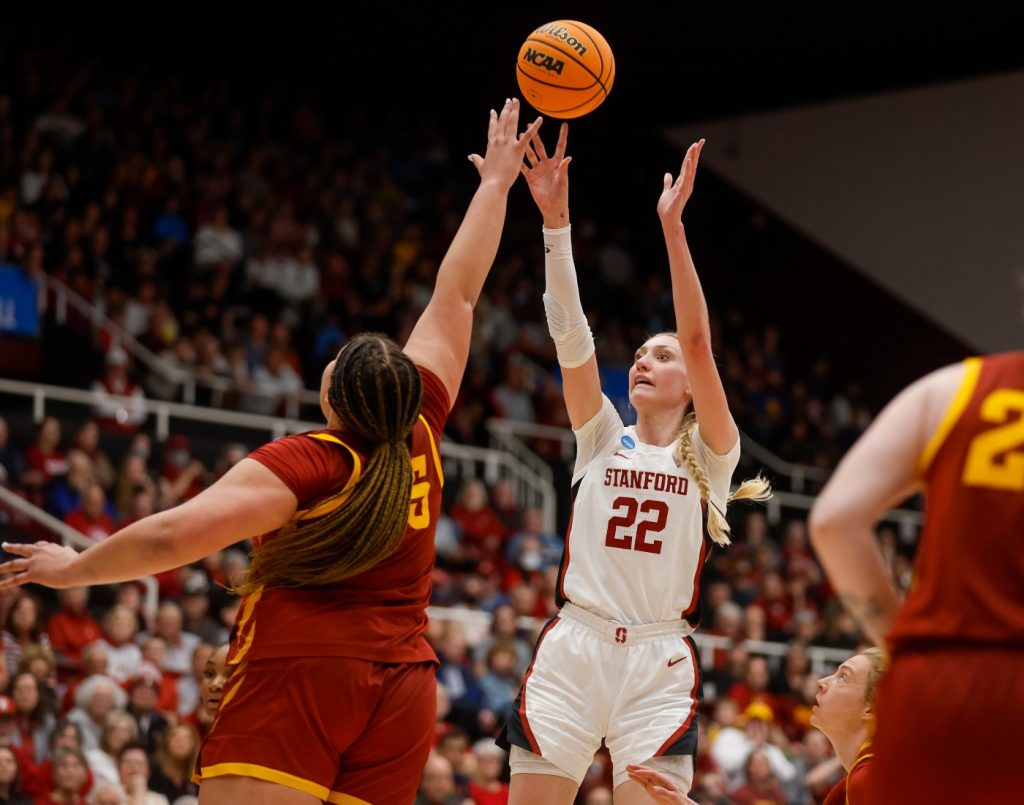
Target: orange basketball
x: 565, y: 69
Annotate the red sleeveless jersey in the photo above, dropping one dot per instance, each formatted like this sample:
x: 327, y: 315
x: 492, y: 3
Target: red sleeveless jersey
x: 377, y: 615
x: 969, y: 578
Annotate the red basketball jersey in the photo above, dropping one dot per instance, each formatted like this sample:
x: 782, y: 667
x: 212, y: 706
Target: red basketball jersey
x: 969, y: 579
x: 377, y: 615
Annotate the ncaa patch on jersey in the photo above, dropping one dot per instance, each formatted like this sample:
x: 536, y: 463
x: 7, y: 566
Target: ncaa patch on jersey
x: 628, y: 442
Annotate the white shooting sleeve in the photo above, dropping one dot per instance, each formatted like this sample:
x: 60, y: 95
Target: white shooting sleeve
x: 567, y: 323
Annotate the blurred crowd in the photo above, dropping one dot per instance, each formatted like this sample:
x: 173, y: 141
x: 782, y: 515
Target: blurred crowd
x: 496, y: 574
x: 241, y: 238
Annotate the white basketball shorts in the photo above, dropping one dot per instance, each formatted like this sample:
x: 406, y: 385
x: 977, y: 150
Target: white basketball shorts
x: 636, y: 687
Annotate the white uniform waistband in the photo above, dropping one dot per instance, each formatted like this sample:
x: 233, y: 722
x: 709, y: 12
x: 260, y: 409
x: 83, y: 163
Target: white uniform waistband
x: 615, y: 632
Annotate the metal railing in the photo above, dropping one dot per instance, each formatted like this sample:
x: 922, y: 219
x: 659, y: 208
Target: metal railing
x: 509, y: 435
x: 64, y: 297
x: 72, y: 538
x: 822, y: 659
x: 535, y: 487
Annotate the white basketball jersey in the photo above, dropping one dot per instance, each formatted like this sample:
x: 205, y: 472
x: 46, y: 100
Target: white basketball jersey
x: 635, y: 545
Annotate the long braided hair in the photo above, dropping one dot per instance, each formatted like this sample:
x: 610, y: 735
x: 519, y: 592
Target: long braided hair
x: 376, y: 391
x: 756, y: 488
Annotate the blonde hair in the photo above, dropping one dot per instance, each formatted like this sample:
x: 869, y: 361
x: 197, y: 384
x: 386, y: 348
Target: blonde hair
x: 879, y: 663
x: 756, y: 488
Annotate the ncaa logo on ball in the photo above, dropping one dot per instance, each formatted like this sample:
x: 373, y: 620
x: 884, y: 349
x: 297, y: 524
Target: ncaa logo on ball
x: 540, y: 59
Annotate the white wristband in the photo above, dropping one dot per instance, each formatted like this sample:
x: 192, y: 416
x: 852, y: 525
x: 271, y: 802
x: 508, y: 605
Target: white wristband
x: 567, y: 323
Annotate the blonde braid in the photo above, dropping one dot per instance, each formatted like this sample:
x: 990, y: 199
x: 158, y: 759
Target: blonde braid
x: 756, y: 488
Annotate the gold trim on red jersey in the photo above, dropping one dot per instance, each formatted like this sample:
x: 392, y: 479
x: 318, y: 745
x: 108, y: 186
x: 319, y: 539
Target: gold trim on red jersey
x: 433, y: 450
x: 246, y: 619
x: 332, y: 503
x: 972, y: 370
x: 338, y: 798
x: 269, y: 775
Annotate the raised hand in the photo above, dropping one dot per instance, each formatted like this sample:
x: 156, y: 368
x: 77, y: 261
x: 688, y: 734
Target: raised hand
x: 505, y: 148
x: 675, y: 194
x: 42, y: 563
x: 548, y: 178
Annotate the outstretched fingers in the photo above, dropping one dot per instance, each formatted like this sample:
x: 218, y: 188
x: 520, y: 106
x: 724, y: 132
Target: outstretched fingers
x: 508, y: 120
x: 531, y: 143
x: 15, y: 572
x: 563, y: 137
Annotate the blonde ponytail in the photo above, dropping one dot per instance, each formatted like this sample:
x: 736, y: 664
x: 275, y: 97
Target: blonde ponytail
x: 756, y: 488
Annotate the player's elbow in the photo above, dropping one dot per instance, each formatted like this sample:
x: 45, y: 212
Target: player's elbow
x: 178, y: 539
x: 823, y: 523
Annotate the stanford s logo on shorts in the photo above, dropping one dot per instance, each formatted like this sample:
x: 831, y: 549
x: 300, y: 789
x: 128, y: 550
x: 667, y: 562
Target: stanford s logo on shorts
x: 620, y: 634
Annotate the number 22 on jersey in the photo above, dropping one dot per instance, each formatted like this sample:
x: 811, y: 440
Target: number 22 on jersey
x: 653, y: 515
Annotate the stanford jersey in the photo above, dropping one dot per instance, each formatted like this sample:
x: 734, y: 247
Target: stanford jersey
x: 969, y: 579
x: 635, y: 547
x: 380, y: 614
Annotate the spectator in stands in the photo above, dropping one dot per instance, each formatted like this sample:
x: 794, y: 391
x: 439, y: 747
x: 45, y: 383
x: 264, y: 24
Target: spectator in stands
x: 760, y: 786
x: 95, y: 698
x: 94, y: 661
x: 10, y: 778
x: 154, y: 653
x: 123, y: 655
x: 40, y: 780
x: 39, y: 661
x: 120, y: 401
x: 174, y: 761
x: 463, y: 689
x: 777, y: 606
x: 453, y: 746
x: 12, y: 461
x: 504, y: 631
x: 195, y: 608
x: 182, y: 477
x: 70, y: 774
x: 506, y: 505
x: 133, y: 480
x: 170, y: 230
x: 71, y: 629
x: 66, y: 491
x: 216, y: 242
x: 732, y: 746
x: 119, y: 731
x: 500, y: 683
x: 34, y: 716
x: 87, y: 440
x: 180, y: 644
x: 512, y: 398
x: 437, y: 786
x: 486, y: 787
x: 95, y: 517
x: 548, y: 544
x: 134, y: 769
x: 44, y: 458
x: 274, y: 386
x: 110, y: 794
x: 23, y: 627
x: 754, y: 687
x: 190, y: 685
x: 482, y: 532
x: 180, y: 361
x: 143, y: 697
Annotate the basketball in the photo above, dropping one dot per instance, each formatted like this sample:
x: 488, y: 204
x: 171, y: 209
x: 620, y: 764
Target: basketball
x: 565, y: 69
